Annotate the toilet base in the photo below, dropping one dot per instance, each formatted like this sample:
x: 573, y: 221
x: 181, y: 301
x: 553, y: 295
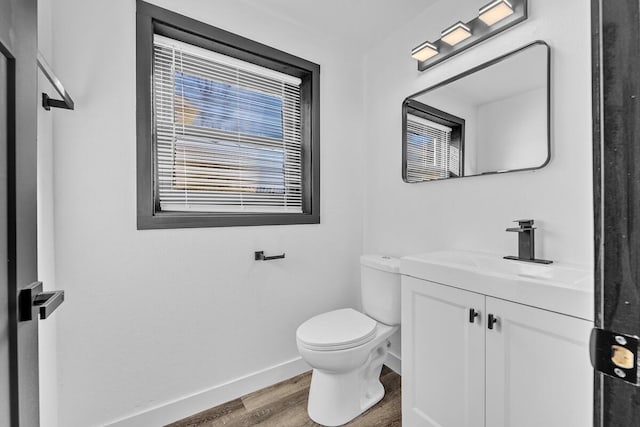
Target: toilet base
x: 337, y: 398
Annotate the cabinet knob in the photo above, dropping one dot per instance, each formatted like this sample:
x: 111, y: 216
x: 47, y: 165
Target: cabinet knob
x: 472, y: 315
x: 491, y: 320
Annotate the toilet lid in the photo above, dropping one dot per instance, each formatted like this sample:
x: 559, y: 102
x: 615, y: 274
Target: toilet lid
x: 336, y: 330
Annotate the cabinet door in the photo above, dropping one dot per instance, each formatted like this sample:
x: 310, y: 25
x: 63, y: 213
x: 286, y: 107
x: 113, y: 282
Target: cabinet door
x: 442, y: 356
x: 538, y: 370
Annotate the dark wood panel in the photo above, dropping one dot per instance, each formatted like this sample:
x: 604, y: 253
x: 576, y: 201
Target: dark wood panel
x: 618, y: 194
x: 285, y: 405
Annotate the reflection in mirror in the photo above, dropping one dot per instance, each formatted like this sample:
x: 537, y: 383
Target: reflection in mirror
x: 491, y: 119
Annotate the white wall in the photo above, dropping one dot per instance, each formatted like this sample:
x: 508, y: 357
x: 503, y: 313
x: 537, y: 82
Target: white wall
x: 157, y: 315
x: 472, y: 213
x: 512, y: 132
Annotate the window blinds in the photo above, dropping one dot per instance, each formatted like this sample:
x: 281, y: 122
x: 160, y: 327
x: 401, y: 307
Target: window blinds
x: 429, y: 151
x: 227, y: 133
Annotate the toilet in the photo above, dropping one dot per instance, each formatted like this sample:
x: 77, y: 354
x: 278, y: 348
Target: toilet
x: 346, y: 348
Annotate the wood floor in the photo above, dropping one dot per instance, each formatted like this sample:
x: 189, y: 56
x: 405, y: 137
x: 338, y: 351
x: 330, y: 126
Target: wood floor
x: 285, y: 405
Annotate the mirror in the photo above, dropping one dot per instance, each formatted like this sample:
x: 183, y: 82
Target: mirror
x: 491, y: 119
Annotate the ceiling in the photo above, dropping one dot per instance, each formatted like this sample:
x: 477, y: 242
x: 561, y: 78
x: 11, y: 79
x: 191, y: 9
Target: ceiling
x: 357, y: 23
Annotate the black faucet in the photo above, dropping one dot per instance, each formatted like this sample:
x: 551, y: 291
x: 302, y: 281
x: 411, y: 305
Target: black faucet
x: 526, y: 242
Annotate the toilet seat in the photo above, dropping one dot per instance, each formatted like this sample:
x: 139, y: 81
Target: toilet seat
x: 336, y: 330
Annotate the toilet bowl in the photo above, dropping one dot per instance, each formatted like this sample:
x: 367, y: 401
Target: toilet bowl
x: 347, y: 348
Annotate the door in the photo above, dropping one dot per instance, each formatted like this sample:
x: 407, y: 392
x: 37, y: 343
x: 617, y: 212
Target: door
x: 5, y: 404
x: 18, y: 103
x: 442, y: 355
x: 528, y: 384
x: 616, y: 153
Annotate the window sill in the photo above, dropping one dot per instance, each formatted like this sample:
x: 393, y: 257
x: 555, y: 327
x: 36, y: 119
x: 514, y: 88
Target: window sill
x: 201, y: 220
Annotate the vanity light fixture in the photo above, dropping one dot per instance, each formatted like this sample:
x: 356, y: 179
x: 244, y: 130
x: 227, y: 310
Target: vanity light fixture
x: 493, y: 18
x: 495, y: 11
x: 423, y: 52
x: 455, y: 34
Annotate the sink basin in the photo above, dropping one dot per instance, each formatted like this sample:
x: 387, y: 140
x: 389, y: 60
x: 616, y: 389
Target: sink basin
x: 558, y: 287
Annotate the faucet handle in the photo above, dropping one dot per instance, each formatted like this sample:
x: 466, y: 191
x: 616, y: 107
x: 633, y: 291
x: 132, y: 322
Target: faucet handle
x: 524, y: 223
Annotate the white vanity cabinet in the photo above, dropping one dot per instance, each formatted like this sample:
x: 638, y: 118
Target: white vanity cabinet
x: 443, y: 356
x: 530, y: 369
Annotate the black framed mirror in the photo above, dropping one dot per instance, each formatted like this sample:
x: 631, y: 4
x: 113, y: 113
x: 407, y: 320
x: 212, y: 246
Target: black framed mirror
x: 493, y: 118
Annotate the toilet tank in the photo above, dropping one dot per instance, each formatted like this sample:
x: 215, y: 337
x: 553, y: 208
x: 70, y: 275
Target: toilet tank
x: 380, y: 288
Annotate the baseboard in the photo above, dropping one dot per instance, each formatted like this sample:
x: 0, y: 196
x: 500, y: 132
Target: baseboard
x: 190, y: 405
x: 394, y: 363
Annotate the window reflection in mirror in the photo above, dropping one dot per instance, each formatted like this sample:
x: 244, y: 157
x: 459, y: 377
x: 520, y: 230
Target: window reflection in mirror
x: 491, y: 119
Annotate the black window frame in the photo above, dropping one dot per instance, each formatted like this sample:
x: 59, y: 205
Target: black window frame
x: 150, y: 20
x: 457, y: 125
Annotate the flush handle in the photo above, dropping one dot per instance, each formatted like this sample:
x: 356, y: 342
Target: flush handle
x: 259, y: 256
x: 32, y: 296
x: 472, y: 315
x: 491, y: 320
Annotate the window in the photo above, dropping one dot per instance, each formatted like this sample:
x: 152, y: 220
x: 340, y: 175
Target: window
x: 227, y: 128
x: 228, y: 135
x: 433, y: 144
